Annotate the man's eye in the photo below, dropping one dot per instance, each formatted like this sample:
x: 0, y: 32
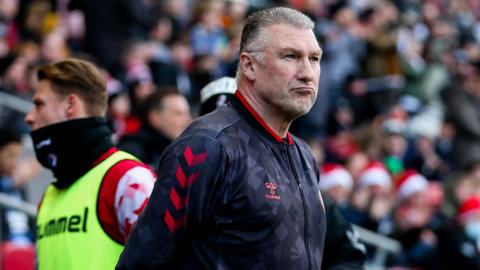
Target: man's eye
x: 315, y: 59
x: 290, y: 56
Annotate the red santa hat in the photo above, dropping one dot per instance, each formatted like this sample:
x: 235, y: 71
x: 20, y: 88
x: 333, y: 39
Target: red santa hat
x: 375, y: 173
x: 469, y: 207
x: 409, y: 183
x: 333, y: 175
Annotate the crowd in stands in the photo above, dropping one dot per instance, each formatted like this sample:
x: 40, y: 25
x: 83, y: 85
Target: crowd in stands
x: 396, y: 125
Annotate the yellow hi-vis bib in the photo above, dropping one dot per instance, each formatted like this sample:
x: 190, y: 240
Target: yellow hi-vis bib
x: 69, y: 234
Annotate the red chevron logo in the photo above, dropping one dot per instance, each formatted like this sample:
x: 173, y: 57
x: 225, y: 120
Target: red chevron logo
x: 173, y: 224
x: 183, y: 179
x: 177, y: 201
x: 192, y: 159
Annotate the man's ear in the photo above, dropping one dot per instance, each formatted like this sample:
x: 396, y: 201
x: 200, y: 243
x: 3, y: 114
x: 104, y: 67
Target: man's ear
x: 247, y: 64
x: 74, y: 107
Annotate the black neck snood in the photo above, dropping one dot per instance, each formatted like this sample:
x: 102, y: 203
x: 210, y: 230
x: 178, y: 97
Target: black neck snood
x: 70, y: 148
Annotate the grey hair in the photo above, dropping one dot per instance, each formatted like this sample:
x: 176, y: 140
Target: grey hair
x: 253, y: 39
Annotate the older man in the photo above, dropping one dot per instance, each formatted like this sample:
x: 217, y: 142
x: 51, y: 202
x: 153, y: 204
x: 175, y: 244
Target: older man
x: 236, y: 190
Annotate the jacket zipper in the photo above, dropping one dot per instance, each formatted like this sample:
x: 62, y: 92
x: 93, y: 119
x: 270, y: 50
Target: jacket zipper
x: 304, y: 204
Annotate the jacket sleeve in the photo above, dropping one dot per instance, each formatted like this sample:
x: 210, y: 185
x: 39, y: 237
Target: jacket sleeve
x: 132, y: 192
x: 185, y: 197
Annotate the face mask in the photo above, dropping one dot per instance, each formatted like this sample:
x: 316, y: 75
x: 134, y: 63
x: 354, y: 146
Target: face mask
x: 472, y: 230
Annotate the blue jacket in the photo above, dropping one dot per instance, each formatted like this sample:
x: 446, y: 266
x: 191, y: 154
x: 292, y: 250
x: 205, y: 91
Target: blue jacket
x: 231, y: 194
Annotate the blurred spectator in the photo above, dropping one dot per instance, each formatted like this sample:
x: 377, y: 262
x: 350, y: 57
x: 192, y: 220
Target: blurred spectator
x: 468, y: 215
x: 203, y: 72
x: 177, y: 12
x: 340, y: 142
x: 209, y: 43
x: 54, y: 47
x: 14, y: 80
x: 119, y: 108
x: 9, y: 30
x: 395, y: 145
x: 337, y: 182
x: 381, y: 60
x: 462, y: 100
x: 341, y: 46
x: 164, y: 115
x: 138, y: 74
x: 14, y: 75
x: 207, y: 34
x: 458, y: 187
x: 216, y: 93
x: 371, y: 201
x: 318, y: 151
x: 235, y: 12
x: 164, y: 68
x: 15, y: 224
x: 415, y: 221
x: 411, y: 185
x: 182, y: 56
x: 427, y: 161
x: 170, y: 61
x: 356, y: 163
x: 445, y: 143
x: 110, y: 25
x: 36, y: 14
x: 370, y: 139
x: 459, y: 241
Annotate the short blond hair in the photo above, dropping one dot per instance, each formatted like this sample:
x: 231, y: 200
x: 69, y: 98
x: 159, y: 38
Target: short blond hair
x: 75, y: 76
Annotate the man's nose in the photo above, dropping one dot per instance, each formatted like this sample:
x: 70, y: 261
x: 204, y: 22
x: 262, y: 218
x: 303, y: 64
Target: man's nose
x: 29, y: 118
x: 306, y: 70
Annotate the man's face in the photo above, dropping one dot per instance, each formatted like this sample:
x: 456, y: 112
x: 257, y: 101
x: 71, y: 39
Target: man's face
x: 9, y: 155
x: 288, y: 70
x: 174, y: 116
x: 49, y: 107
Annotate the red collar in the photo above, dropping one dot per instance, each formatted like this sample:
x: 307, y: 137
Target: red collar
x: 260, y: 120
x: 105, y: 155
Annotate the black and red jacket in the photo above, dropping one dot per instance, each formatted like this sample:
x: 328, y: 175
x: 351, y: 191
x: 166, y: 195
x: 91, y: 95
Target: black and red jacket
x: 231, y: 194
